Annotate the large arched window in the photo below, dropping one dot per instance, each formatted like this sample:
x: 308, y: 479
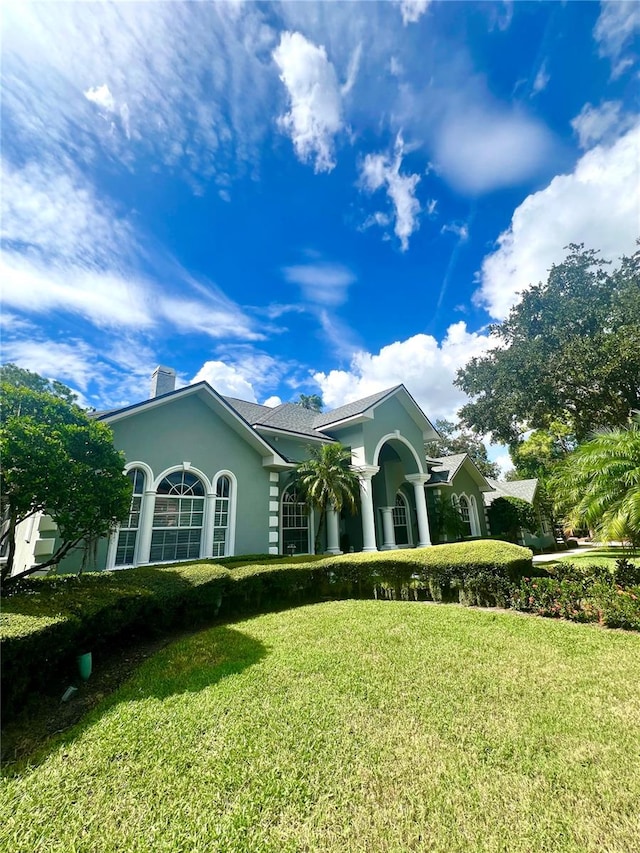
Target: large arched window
x: 295, y: 523
x: 177, y: 518
x: 221, y: 516
x: 128, y: 533
x: 401, y: 520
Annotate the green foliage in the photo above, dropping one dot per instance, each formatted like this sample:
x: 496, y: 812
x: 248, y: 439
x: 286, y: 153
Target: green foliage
x: 446, y: 521
x: 18, y: 377
x: 327, y: 480
x: 598, y: 485
x: 47, y: 621
x: 585, y: 593
x: 507, y: 515
x: 570, y: 350
x: 454, y: 438
x: 58, y: 460
x: 311, y: 401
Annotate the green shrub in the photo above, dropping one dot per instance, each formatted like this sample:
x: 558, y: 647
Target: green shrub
x: 47, y: 621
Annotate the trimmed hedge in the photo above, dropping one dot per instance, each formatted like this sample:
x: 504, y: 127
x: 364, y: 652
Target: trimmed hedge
x: 47, y: 621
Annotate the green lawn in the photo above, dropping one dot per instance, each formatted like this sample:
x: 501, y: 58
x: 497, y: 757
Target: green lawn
x: 605, y: 556
x: 352, y: 726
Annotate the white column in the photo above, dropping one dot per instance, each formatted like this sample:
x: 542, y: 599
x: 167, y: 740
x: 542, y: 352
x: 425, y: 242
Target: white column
x: 146, y: 527
x: 366, y: 501
x: 333, y: 532
x: 418, y: 481
x: 388, y: 532
x: 207, y: 523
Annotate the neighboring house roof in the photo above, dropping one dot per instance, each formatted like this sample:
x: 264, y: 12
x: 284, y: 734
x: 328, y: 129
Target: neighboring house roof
x: 446, y: 467
x: 523, y: 489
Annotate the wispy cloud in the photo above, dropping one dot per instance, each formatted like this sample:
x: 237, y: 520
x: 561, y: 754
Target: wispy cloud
x: 315, y: 114
x: 541, y: 80
x: 412, y: 10
x: 602, y: 124
x: 382, y: 171
x: 322, y: 283
x: 615, y: 31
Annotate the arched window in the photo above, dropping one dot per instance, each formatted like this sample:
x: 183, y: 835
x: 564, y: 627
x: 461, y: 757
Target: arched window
x: 221, y: 516
x: 295, y: 523
x: 128, y: 533
x: 463, y: 509
x: 401, y: 520
x: 177, y: 518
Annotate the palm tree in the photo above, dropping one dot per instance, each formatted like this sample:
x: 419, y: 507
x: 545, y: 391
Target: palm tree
x: 327, y: 480
x: 598, y: 485
x: 310, y: 401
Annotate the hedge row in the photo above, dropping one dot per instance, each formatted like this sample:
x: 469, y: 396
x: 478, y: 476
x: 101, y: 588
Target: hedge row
x: 46, y: 622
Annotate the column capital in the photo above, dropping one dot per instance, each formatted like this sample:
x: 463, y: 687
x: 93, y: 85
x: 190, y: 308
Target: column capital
x: 366, y: 472
x: 417, y: 478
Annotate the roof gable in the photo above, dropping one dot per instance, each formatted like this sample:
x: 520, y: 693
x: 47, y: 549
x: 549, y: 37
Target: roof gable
x: 446, y: 467
x: 523, y: 489
x: 211, y: 398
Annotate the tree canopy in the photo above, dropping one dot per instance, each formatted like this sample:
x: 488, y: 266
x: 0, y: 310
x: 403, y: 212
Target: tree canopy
x: 57, y: 460
x: 18, y: 377
x: 598, y: 485
x: 508, y: 515
x: 454, y: 438
x: 310, y: 401
x: 569, y: 351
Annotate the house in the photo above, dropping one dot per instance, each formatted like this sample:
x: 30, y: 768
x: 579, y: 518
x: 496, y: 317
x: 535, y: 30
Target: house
x: 526, y: 490
x: 211, y: 477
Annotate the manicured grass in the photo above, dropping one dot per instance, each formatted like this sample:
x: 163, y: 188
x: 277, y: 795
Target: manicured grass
x: 353, y: 726
x: 605, y: 556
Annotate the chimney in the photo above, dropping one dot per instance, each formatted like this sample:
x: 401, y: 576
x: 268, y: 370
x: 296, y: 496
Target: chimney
x: 163, y: 380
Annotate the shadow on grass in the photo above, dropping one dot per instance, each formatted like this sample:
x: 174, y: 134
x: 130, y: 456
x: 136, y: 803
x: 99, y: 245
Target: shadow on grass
x: 190, y: 664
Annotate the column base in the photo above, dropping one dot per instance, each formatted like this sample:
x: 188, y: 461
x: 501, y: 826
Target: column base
x: 423, y: 545
x: 334, y: 551
x: 367, y: 550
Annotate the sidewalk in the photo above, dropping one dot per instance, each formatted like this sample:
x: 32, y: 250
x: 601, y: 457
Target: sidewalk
x: 556, y: 555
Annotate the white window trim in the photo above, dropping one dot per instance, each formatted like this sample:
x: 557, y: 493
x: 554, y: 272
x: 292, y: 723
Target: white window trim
x: 146, y: 495
x: 230, y: 541
x: 407, y: 509
x: 310, y: 528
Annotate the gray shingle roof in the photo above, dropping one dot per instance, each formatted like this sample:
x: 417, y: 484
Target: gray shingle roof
x: 290, y: 417
x: 445, y: 468
x: 358, y: 407
x: 523, y: 489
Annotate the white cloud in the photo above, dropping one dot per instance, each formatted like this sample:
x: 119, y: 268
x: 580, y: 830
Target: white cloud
x: 601, y: 124
x: 460, y: 229
x: 140, y: 65
x: 226, y: 380
x: 272, y: 402
x: 593, y: 205
x: 482, y: 148
x: 542, y: 79
x: 615, y: 30
x: 315, y: 116
x: 101, y: 95
x: 321, y: 283
x: 67, y: 249
x: 352, y: 71
x: 379, y: 170
x: 426, y: 367
x: 412, y: 10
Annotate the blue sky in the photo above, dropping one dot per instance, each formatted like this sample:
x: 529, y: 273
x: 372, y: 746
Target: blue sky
x: 302, y: 197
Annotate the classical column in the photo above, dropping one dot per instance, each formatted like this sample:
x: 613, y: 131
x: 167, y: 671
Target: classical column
x: 207, y: 523
x: 146, y: 527
x: 418, y: 481
x: 333, y: 532
x: 388, y: 533
x: 366, y: 500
